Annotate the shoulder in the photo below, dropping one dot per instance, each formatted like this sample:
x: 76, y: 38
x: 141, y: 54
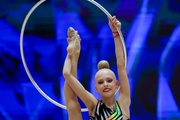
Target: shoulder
x: 92, y: 107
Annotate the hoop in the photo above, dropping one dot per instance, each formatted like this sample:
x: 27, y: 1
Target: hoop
x: 24, y: 61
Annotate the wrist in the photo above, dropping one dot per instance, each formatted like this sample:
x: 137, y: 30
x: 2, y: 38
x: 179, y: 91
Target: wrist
x: 115, y: 34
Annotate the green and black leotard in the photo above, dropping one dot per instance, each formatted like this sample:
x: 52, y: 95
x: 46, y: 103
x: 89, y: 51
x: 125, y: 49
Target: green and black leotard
x: 104, y: 113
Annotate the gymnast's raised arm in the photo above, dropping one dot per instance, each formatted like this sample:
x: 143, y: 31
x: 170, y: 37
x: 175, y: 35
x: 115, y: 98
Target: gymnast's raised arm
x: 124, y: 97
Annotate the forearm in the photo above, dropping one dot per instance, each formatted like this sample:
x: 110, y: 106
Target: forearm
x: 120, y: 57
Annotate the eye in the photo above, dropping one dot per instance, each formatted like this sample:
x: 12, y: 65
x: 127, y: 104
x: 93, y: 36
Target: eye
x: 100, y: 82
x: 109, y: 80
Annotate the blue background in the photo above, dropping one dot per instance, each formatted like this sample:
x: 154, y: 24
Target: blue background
x: 151, y: 31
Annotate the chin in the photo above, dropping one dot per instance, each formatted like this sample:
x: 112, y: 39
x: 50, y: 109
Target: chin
x: 108, y: 95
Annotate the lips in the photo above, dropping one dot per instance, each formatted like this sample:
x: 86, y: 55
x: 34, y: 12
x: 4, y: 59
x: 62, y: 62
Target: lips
x: 106, y: 90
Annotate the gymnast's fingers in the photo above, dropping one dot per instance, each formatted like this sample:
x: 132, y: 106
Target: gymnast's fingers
x: 118, y: 24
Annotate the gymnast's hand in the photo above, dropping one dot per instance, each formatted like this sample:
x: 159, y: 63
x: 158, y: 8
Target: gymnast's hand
x: 113, y: 24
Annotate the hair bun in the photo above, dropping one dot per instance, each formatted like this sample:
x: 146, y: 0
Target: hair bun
x: 103, y: 64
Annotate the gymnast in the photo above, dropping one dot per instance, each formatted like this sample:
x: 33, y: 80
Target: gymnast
x: 105, y: 83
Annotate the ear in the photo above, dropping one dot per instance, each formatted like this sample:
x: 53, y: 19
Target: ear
x: 117, y: 84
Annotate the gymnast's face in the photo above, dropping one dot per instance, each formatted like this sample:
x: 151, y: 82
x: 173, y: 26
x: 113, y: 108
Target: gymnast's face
x: 106, y: 83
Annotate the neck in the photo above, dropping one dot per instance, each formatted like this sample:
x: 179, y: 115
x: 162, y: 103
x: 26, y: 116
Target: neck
x: 109, y: 102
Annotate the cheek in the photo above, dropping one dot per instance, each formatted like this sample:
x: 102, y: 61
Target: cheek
x: 114, y: 85
x: 99, y: 87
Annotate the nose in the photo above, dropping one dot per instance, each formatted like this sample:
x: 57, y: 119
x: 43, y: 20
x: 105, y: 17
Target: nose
x: 105, y: 84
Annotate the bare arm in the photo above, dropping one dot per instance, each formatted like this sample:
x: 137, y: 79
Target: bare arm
x: 124, y: 83
x: 88, y: 99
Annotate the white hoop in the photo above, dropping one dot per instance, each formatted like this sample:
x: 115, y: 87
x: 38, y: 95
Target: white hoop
x: 120, y: 33
x: 24, y: 62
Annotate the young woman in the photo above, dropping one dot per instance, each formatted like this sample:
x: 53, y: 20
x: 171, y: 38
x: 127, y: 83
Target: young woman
x: 106, y: 84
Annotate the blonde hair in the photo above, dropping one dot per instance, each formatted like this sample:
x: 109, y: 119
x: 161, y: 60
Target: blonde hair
x: 103, y: 64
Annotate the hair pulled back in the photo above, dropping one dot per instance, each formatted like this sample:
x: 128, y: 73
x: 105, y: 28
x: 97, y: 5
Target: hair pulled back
x: 103, y: 64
